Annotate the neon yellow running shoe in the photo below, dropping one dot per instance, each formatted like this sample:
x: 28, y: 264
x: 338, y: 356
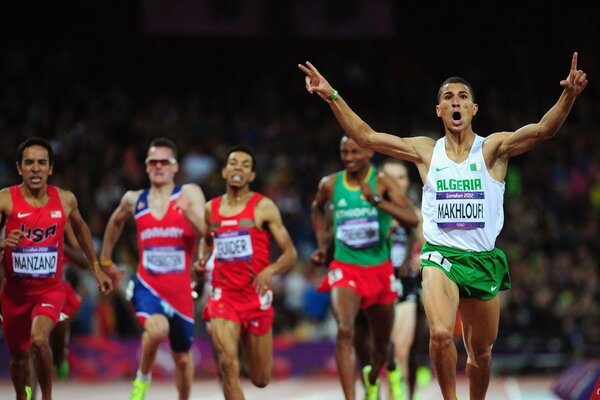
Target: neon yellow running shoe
x: 139, y: 389
x: 28, y: 392
x: 397, y: 384
x: 423, y: 376
x: 371, y: 390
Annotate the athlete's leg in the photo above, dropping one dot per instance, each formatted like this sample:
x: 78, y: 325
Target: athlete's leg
x: 440, y: 298
x: 156, y: 329
x: 184, y: 373
x: 42, y: 355
x: 19, y: 372
x: 362, y: 339
x: 381, y: 320
x: 403, y: 333
x: 225, y: 337
x: 58, y: 344
x: 480, y: 321
x: 258, y: 354
x: 345, y: 304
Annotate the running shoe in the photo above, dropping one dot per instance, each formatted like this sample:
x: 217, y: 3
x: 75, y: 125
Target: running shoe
x: 397, y: 384
x: 62, y: 372
x: 139, y: 389
x: 371, y: 390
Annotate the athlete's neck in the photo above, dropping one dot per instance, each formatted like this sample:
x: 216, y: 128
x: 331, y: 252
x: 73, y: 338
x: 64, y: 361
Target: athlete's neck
x: 236, y: 196
x: 355, y: 178
x: 165, y: 190
x: 35, y: 196
x: 458, y: 145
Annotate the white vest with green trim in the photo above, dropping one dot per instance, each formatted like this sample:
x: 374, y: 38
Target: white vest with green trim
x: 462, y: 204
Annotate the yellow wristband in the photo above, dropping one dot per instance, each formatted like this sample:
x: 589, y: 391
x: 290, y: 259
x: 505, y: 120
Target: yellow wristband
x: 105, y: 263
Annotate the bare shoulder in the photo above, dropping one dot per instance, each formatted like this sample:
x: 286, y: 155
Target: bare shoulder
x: 130, y: 198
x: 265, y: 203
x: 5, y: 200
x: 423, y: 146
x: 66, y: 196
x: 191, y: 190
x: 328, y: 182
x: 492, y: 143
x: 4, y: 193
x: 266, y: 209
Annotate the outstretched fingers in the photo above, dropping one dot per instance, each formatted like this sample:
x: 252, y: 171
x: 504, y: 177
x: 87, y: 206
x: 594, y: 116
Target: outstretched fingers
x: 574, y: 62
x: 577, y: 79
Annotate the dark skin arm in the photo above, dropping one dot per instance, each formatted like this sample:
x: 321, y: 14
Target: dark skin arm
x: 84, y: 237
x: 319, y: 222
x: 395, y: 203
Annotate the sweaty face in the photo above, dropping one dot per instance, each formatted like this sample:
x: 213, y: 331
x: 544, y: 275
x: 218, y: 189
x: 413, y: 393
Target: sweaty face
x: 354, y: 157
x: 238, y: 170
x: 161, y: 165
x: 399, y: 173
x: 456, y: 107
x: 35, y: 167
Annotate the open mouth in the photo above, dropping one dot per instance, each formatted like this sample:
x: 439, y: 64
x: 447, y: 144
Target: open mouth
x: 456, y: 118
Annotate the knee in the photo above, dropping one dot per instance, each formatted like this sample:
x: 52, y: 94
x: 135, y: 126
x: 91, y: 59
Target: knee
x: 19, y: 359
x: 228, y: 365
x: 157, y: 331
x: 479, y: 356
x: 39, y: 342
x: 345, y: 332
x: 183, y: 362
x: 441, y: 337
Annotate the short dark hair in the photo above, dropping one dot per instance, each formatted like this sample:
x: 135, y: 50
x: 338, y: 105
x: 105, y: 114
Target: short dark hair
x: 456, y: 79
x: 35, y: 141
x: 243, y: 149
x: 165, y: 142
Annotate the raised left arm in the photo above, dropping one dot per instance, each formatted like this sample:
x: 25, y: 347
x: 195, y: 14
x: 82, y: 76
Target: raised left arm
x: 510, y: 144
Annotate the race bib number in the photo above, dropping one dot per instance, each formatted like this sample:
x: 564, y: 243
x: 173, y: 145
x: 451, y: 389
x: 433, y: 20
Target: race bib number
x: 35, y: 262
x: 164, y: 259
x: 358, y: 233
x: 233, y: 246
x: 460, y: 210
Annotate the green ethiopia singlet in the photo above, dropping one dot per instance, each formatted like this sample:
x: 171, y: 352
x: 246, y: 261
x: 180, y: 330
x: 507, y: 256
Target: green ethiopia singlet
x: 360, y: 228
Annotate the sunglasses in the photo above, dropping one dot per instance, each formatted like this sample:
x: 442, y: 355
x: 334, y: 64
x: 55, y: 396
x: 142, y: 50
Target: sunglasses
x: 163, y: 162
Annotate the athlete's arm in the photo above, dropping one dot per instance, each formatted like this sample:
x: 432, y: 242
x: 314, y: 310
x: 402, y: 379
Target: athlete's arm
x: 267, y: 215
x: 191, y: 204
x: 206, y: 245
x: 394, y: 202
x: 113, y: 230
x: 415, y: 149
x: 504, y: 145
x: 318, y: 218
x: 72, y: 249
x: 84, y: 237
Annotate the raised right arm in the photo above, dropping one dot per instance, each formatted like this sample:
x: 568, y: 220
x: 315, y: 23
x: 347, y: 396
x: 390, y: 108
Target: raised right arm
x: 414, y: 149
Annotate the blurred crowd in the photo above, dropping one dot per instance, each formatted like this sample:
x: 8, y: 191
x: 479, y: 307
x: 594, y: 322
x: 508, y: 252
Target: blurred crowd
x: 101, y: 107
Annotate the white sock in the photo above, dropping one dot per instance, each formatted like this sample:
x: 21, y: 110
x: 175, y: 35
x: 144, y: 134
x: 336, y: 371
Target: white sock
x: 143, y: 377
